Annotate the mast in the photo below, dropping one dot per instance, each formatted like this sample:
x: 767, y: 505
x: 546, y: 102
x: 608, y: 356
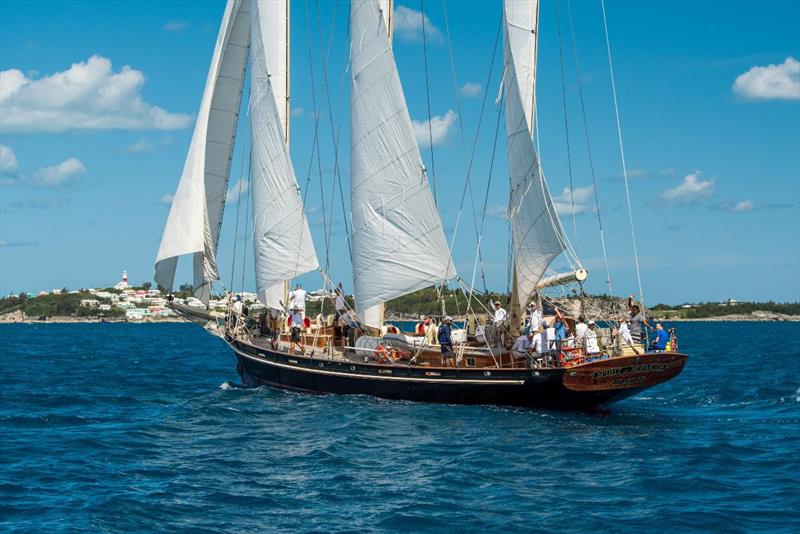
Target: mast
x: 398, y: 241
x: 195, y: 217
x: 536, y: 233
x: 281, y: 236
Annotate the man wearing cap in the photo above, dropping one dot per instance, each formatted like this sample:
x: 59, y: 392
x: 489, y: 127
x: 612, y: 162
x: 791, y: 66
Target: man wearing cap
x: 500, y: 314
x: 446, y: 341
x: 523, y: 346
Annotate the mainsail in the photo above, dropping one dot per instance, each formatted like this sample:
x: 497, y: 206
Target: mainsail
x: 398, y: 241
x: 281, y: 237
x: 536, y: 234
x: 195, y: 217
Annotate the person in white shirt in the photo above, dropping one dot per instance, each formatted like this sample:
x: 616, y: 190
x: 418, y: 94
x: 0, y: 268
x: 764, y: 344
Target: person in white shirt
x: 297, y: 298
x: 339, y: 301
x: 297, y: 328
x: 500, y: 314
x: 624, y: 332
x: 590, y: 339
x: 581, y: 327
x: 535, y: 318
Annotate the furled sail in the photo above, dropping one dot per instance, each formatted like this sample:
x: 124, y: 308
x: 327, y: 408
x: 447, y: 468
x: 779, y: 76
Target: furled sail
x: 397, y: 236
x: 281, y: 237
x: 536, y: 232
x: 195, y: 217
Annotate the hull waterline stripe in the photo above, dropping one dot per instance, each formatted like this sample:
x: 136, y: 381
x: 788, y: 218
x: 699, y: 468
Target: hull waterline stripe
x: 375, y: 377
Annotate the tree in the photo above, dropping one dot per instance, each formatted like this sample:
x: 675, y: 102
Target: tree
x: 146, y: 286
x: 186, y: 287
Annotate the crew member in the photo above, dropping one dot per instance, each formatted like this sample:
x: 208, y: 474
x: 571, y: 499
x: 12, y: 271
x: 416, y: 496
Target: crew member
x: 297, y: 328
x: 590, y: 341
x: 624, y: 332
x: 638, y: 321
x: 500, y: 314
x: 522, y: 347
x: 446, y: 341
x: 297, y: 299
x: 661, y: 340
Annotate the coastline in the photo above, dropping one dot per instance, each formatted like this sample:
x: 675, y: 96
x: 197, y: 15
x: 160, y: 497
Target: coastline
x: 742, y: 318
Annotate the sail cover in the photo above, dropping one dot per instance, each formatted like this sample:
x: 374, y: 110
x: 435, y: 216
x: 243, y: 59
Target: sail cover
x: 281, y: 237
x: 536, y: 233
x: 195, y: 217
x: 398, y: 241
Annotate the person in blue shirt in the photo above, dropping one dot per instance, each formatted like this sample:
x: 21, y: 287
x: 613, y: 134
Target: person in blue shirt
x: 661, y: 340
x: 446, y: 342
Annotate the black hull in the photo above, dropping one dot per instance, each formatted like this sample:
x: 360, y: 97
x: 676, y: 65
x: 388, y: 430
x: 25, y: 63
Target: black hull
x: 512, y: 387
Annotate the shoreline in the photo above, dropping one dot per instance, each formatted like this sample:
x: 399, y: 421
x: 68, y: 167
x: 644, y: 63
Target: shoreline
x: 88, y: 320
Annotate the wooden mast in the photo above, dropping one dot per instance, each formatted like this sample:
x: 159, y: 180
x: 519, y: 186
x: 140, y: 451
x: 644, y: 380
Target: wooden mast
x: 516, y: 305
x: 287, y: 114
x: 389, y: 28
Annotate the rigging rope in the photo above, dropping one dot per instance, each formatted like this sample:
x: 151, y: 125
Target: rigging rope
x: 428, y: 98
x: 566, y: 124
x: 622, y: 152
x: 334, y: 134
x: 467, y: 183
x: 462, y: 134
x: 588, y: 145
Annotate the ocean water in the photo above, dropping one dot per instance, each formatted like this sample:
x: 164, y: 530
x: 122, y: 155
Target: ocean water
x: 123, y: 427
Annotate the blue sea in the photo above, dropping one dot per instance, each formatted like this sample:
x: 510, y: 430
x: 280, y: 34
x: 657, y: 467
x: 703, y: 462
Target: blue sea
x: 144, y: 428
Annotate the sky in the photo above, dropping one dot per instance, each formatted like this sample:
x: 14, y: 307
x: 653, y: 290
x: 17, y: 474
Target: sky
x: 98, y: 99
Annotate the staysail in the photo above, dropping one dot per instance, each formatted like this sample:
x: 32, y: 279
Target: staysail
x: 195, y: 217
x: 397, y: 236
x: 281, y: 236
x: 536, y: 234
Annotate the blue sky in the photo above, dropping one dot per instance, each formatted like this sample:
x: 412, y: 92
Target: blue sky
x: 709, y: 97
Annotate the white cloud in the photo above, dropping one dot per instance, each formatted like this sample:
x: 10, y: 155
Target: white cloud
x: 8, y: 160
x: 690, y: 191
x: 408, y: 26
x: 470, y: 89
x: 167, y: 199
x: 744, y: 205
x: 576, y: 201
x: 176, y: 26
x: 148, y: 145
x: 60, y: 174
x: 773, y: 82
x: 87, y: 96
x: 5, y: 243
x: 298, y: 111
x: 439, y: 130
x: 499, y: 212
x: 236, y: 190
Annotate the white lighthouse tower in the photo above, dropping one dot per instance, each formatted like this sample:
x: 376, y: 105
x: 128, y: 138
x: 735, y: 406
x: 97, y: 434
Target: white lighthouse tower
x: 124, y: 283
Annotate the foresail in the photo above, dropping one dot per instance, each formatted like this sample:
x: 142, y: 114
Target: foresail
x: 195, y: 217
x: 397, y: 236
x: 281, y: 236
x: 535, y: 230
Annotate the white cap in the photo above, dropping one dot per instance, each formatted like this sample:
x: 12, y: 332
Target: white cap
x: 448, y: 318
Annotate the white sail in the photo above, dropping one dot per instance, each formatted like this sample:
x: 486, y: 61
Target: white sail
x: 281, y: 237
x: 195, y: 217
x: 397, y: 236
x: 535, y: 230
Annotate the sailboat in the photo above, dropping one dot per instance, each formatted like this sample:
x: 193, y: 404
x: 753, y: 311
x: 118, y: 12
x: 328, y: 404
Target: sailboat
x: 391, y: 205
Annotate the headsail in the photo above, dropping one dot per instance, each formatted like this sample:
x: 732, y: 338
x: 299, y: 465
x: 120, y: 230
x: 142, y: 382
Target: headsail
x: 398, y: 241
x: 281, y: 237
x: 537, y: 237
x: 195, y: 217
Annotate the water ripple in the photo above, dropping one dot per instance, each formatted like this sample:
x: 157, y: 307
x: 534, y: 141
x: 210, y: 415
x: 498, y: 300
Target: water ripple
x: 146, y: 428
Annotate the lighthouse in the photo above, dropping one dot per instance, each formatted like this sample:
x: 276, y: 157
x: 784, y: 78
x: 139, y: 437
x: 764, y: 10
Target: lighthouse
x: 124, y: 283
